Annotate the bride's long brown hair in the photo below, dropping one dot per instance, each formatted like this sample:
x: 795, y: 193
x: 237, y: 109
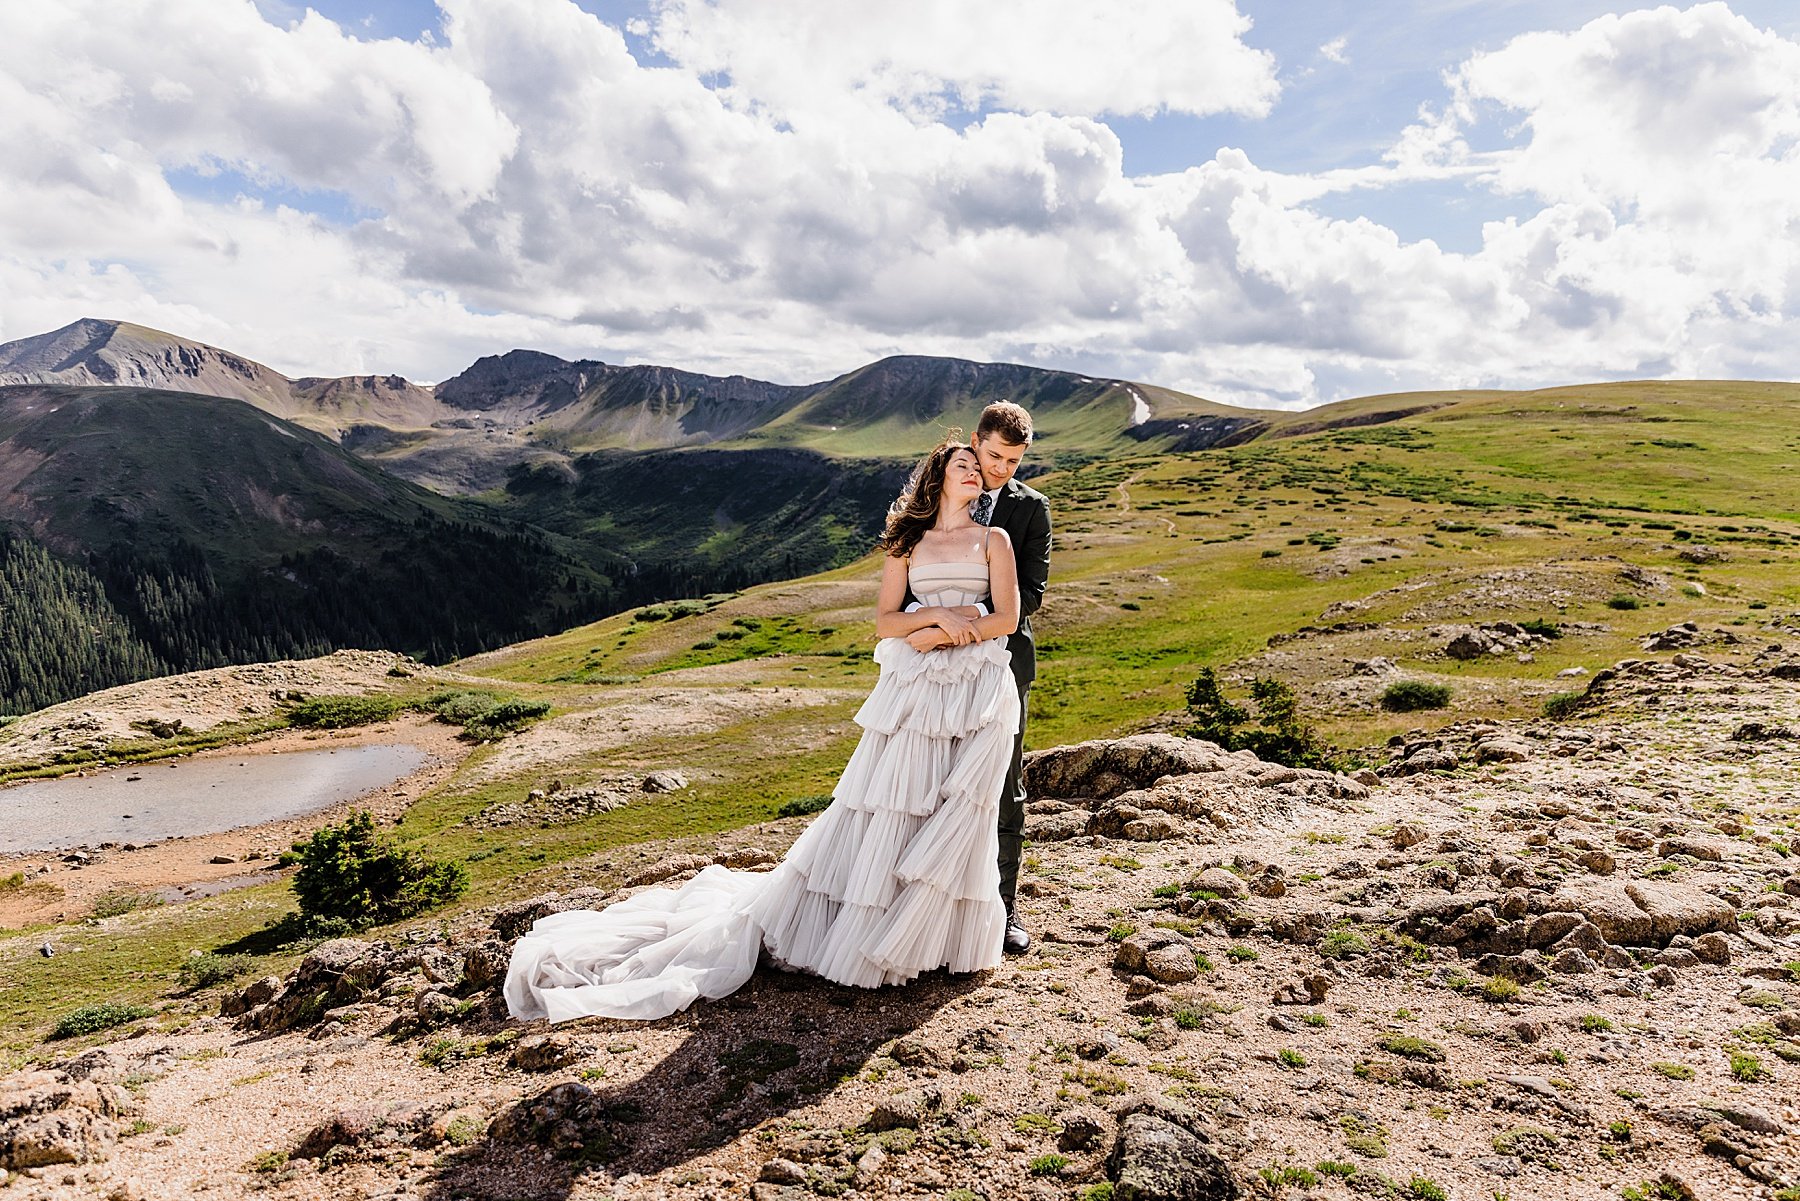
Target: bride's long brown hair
x: 916, y: 510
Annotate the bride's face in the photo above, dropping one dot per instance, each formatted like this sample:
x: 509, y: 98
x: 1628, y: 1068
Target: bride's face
x: 962, y: 478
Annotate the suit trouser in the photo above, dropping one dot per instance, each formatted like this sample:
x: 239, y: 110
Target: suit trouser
x: 1012, y: 811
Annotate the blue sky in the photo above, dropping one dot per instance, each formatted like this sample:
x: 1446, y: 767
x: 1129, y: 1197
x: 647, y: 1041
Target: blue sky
x: 1270, y: 202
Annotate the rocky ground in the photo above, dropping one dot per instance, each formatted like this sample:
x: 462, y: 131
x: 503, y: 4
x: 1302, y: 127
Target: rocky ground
x: 1524, y: 959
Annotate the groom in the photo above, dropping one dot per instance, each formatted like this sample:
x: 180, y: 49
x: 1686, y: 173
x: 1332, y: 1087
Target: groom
x: 1001, y: 438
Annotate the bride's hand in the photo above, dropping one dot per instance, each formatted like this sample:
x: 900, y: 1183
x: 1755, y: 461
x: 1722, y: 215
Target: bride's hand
x: 959, y: 629
x: 930, y: 638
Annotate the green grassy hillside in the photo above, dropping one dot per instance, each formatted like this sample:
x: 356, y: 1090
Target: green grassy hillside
x: 1498, y: 506
x: 1608, y: 512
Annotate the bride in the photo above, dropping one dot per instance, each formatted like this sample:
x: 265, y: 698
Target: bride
x: 899, y: 875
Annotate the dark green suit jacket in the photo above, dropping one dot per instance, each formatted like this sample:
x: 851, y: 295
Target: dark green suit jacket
x: 1024, y: 514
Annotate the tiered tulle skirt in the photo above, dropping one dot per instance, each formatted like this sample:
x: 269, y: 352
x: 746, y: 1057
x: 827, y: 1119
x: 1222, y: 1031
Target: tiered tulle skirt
x: 898, y: 876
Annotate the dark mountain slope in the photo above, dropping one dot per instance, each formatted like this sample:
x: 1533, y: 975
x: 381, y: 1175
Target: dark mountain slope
x: 221, y: 534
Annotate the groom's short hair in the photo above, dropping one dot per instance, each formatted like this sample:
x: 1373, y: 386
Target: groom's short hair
x: 1010, y: 422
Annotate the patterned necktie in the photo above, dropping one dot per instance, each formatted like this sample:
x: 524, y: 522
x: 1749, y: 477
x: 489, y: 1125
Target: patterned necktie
x: 983, y: 512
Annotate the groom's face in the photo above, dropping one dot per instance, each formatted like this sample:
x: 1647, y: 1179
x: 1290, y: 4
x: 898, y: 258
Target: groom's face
x: 999, y: 459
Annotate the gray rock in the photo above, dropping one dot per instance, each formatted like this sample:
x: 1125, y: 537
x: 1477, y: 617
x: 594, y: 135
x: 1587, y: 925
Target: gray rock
x: 1105, y: 768
x: 1172, y: 964
x: 1573, y: 961
x: 1547, y: 928
x: 510, y: 921
x: 545, y: 1052
x: 1217, y: 879
x: 1634, y: 838
x: 1156, y: 1160
x: 435, y: 1008
x: 1083, y: 1128
x: 485, y: 964
x: 1406, y: 834
x: 902, y: 1110
x: 1152, y: 827
x: 1597, y: 862
x: 1698, y: 848
x: 782, y: 1171
x: 1428, y: 759
x: 1502, y: 750
x: 1713, y: 948
x: 340, y: 972
x: 1057, y: 827
x: 1306, y: 927
x: 46, y: 1119
x: 353, y: 1128
x: 664, y: 781
x: 1307, y: 990
x: 1269, y: 881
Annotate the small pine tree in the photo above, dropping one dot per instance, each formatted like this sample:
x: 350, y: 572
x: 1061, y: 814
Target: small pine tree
x: 349, y: 873
x: 1279, y: 735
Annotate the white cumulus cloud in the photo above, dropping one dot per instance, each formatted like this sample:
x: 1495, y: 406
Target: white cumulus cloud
x: 790, y: 190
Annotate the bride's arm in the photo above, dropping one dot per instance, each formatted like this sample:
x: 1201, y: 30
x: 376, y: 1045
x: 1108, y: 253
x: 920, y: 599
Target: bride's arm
x: 1003, y: 587
x: 890, y: 620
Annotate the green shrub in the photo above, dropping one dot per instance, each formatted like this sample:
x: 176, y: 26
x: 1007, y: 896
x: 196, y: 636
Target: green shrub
x: 1279, y: 735
x: 338, y: 712
x: 349, y: 873
x: 1564, y: 704
x: 204, y: 971
x: 800, y: 806
x: 1049, y: 1165
x: 1341, y: 944
x: 460, y: 706
x: 1408, y: 1047
x: 505, y: 718
x: 115, y: 901
x: 103, y: 1016
x: 483, y: 715
x: 1408, y: 696
x: 1542, y: 628
x: 652, y: 613
x: 463, y: 1130
x: 1622, y: 601
x: 1745, y: 1066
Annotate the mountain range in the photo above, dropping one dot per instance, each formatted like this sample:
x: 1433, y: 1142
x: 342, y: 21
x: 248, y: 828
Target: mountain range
x: 166, y: 505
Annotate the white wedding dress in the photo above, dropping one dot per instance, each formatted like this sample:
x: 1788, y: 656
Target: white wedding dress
x: 897, y: 877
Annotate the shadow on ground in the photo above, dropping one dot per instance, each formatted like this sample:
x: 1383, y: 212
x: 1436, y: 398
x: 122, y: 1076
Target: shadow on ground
x: 762, y: 1052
